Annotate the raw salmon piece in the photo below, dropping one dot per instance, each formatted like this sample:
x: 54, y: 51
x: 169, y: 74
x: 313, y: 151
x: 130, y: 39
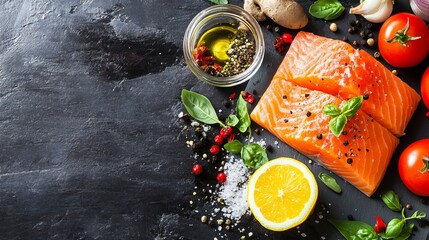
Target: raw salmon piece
x: 335, y: 67
x: 294, y: 114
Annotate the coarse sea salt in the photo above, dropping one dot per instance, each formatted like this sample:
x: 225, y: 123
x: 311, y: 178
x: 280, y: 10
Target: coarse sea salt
x: 233, y: 191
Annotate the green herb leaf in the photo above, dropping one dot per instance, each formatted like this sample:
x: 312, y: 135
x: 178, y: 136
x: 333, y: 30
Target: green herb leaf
x: 354, y: 229
x: 351, y: 106
x: 219, y: 1
x: 417, y: 215
x: 331, y: 110
x: 199, y: 107
x: 406, y: 232
x: 232, y: 120
x: 391, y: 199
x: 326, y: 9
x: 337, y: 124
x: 330, y: 182
x: 234, y: 146
x: 242, y: 114
x: 394, y: 228
x: 254, y: 155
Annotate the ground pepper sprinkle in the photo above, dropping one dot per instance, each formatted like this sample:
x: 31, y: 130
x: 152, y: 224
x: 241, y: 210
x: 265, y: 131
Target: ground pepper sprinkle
x: 241, y: 55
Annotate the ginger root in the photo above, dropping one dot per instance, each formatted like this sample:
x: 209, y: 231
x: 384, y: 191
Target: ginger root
x: 286, y: 13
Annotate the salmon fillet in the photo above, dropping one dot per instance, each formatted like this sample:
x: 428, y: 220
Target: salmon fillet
x: 335, y: 67
x: 294, y: 114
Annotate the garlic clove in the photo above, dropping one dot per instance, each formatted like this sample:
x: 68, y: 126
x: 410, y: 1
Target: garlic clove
x: 382, y: 14
x: 366, y: 7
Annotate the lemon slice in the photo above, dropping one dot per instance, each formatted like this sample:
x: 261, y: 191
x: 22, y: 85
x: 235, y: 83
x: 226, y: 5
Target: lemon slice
x: 282, y: 193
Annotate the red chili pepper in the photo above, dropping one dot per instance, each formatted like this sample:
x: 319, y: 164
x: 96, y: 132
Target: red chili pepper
x: 380, y: 226
x: 279, y: 45
x: 232, y: 95
x: 287, y: 38
x: 221, y: 177
x: 248, y: 97
x: 231, y: 137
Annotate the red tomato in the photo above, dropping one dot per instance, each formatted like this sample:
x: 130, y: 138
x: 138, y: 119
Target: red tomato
x: 395, y: 44
x: 424, y: 87
x: 414, y: 167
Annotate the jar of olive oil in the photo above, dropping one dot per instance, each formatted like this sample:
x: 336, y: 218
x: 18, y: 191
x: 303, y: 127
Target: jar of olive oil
x: 223, y: 45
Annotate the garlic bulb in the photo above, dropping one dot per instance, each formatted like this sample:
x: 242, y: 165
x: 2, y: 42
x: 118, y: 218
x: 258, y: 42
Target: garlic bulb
x: 375, y: 11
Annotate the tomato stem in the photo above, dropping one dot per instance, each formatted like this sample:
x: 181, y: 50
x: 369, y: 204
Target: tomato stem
x: 402, y: 37
x: 426, y: 164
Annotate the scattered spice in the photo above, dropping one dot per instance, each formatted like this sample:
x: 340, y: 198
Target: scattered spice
x: 395, y: 72
x: 319, y: 136
x: 365, y: 96
x: 221, y: 177
x: 197, y: 169
x: 308, y: 114
x: 377, y: 54
x: 349, y: 160
x: 215, y: 149
x: 333, y: 27
x: 370, y: 42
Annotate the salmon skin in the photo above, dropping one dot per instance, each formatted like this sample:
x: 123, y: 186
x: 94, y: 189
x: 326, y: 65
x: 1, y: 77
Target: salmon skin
x: 294, y: 114
x: 335, y: 67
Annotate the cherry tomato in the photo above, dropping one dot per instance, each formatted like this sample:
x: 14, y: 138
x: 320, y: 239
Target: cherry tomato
x: 403, y: 40
x: 414, y: 167
x: 424, y: 87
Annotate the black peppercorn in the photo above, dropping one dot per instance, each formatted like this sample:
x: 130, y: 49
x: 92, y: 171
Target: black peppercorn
x: 319, y: 136
x: 349, y: 160
x: 365, y: 96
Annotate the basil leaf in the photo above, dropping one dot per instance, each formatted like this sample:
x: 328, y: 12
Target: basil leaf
x: 199, y: 107
x: 219, y: 1
x: 418, y: 215
x: 232, y: 120
x: 406, y: 232
x: 354, y: 229
x: 391, y: 199
x: 394, y: 228
x: 234, y: 146
x: 254, y: 155
x: 242, y: 114
x: 331, y: 110
x: 330, y: 182
x: 351, y: 106
x: 326, y: 9
x: 337, y: 124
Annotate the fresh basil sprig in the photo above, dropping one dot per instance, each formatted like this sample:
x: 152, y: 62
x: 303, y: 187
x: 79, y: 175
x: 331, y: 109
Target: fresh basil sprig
x: 232, y: 120
x: 326, y: 9
x: 253, y: 155
x: 354, y: 229
x: 399, y: 229
x: 200, y: 107
x: 242, y: 114
x: 339, y: 116
x: 330, y: 182
x: 391, y: 199
x: 234, y: 146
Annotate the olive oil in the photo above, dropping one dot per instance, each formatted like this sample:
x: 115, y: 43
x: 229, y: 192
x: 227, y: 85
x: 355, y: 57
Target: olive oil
x: 218, y: 40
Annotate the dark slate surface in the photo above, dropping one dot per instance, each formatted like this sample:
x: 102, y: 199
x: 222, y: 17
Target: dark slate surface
x: 91, y: 147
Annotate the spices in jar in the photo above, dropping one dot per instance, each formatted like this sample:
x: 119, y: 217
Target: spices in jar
x: 225, y: 50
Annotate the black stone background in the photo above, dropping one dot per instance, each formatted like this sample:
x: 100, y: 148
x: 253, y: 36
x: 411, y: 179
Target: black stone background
x: 91, y: 146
